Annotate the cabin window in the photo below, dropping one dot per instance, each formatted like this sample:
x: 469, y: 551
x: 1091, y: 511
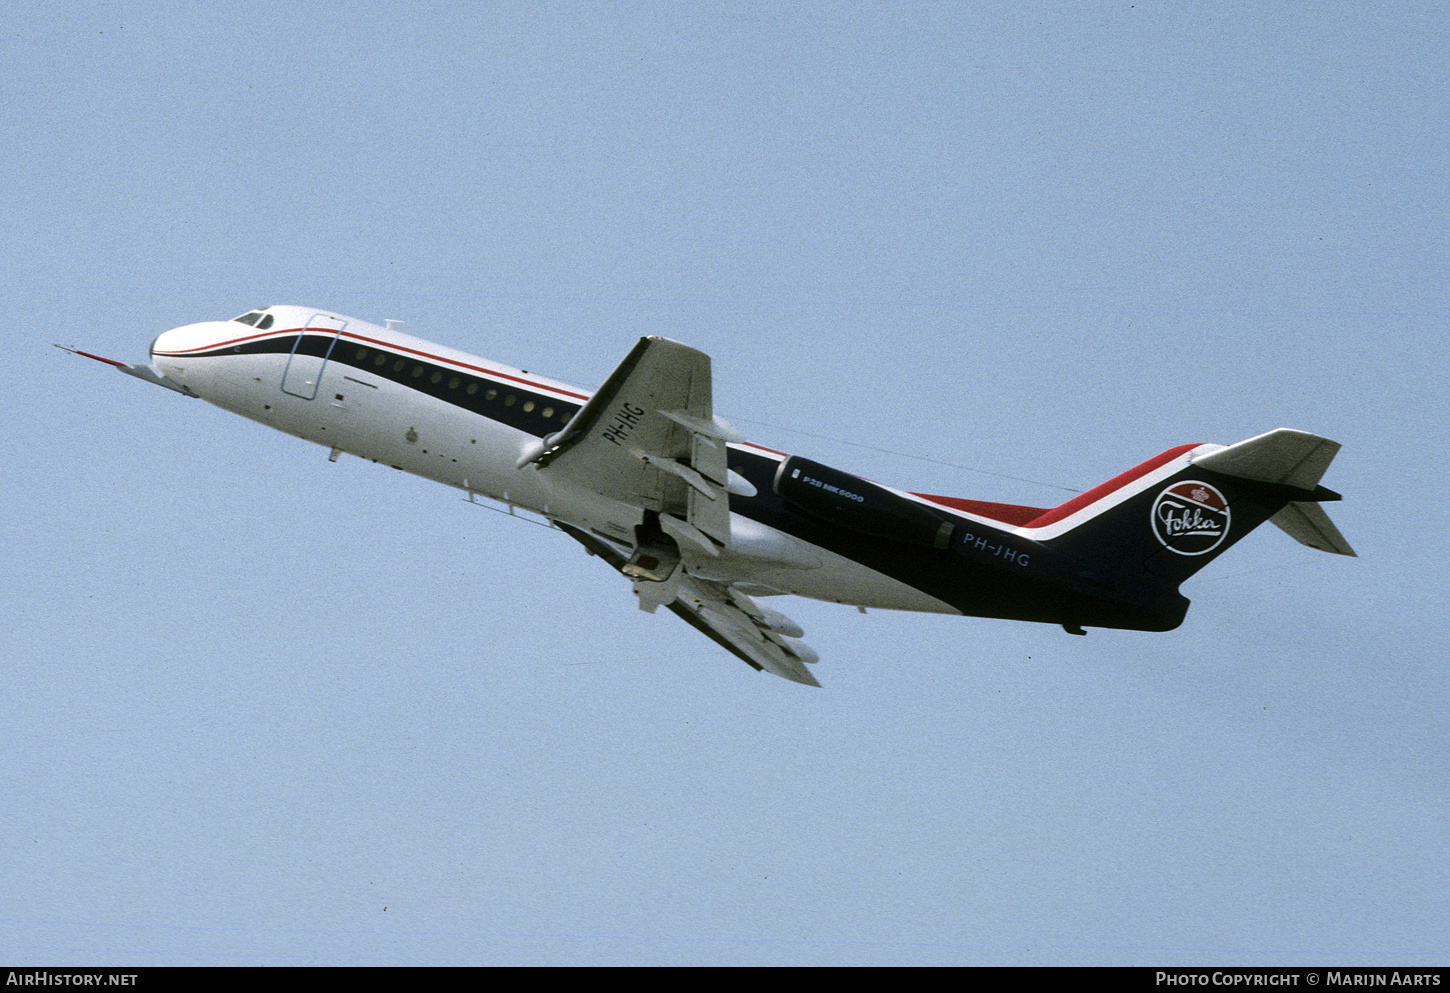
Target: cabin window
x: 453, y: 383
x: 491, y: 395
x: 528, y: 406
x: 548, y: 412
x: 472, y: 389
x: 436, y: 377
x: 362, y: 353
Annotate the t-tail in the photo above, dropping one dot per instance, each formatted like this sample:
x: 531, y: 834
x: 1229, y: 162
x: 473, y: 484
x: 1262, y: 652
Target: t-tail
x: 1156, y: 525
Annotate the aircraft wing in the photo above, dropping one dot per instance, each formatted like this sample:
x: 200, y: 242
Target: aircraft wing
x: 761, y: 637
x: 145, y: 372
x: 733, y: 620
x: 649, y: 438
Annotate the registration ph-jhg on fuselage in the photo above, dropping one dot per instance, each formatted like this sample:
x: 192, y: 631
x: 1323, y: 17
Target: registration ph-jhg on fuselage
x: 644, y: 475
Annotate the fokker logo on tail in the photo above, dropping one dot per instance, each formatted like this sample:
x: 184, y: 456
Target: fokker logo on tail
x: 1191, y: 517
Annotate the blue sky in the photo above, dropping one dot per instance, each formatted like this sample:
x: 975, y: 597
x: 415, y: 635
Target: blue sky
x: 266, y: 709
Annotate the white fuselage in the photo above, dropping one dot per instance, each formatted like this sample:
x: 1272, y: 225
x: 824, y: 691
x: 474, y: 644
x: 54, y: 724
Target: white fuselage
x: 464, y: 421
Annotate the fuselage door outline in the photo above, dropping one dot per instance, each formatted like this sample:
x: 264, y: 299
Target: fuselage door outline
x: 304, y: 371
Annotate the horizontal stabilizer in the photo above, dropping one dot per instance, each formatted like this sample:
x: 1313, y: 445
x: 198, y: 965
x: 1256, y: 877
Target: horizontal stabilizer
x: 1308, y: 524
x: 1289, y: 458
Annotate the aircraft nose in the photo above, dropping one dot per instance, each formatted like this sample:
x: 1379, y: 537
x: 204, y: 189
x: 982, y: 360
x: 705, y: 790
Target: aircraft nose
x: 178, y: 353
x: 174, y: 342
x: 191, y: 339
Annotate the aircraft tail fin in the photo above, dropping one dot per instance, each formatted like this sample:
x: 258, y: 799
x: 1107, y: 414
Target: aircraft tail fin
x: 1169, y: 517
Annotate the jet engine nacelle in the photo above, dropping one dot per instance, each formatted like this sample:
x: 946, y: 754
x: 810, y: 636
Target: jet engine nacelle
x: 858, y: 505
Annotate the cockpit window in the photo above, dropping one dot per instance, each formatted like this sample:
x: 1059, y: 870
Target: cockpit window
x: 252, y: 318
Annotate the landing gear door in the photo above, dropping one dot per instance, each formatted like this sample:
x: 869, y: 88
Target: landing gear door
x: 309, y: 355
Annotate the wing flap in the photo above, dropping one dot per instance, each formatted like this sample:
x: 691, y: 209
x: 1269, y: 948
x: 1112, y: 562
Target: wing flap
x: 737, y: 622
x: 761, y: 637
x: 648, y: 437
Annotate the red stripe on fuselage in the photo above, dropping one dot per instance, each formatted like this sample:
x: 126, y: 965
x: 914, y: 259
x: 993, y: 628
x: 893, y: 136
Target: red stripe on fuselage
x: 411, y: 351
x: 1005, y: 513
x: 231, y: 341
x: 390, y: 345
x: 1105, y: 489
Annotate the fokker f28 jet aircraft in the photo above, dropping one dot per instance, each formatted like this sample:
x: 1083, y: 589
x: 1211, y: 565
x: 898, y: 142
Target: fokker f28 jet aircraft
x: 643, y: 475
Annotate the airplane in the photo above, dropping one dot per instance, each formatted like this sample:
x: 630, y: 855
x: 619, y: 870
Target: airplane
x: 706, y: 524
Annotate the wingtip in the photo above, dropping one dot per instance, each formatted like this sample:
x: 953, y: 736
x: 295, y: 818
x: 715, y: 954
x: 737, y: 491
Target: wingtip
x: 803, y: 677
x: 99, y: 358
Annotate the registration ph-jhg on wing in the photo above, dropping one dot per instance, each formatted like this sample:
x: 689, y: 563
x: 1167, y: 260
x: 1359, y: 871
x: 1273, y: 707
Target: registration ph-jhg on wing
x: 701, y: 522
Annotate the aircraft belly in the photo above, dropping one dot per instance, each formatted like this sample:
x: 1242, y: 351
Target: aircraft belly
x: 431, y: 438
x: 587, y: 509
x: 362, y: 415
x: 840, y: 580
x: 770, y: 558
x: 237, y: 385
